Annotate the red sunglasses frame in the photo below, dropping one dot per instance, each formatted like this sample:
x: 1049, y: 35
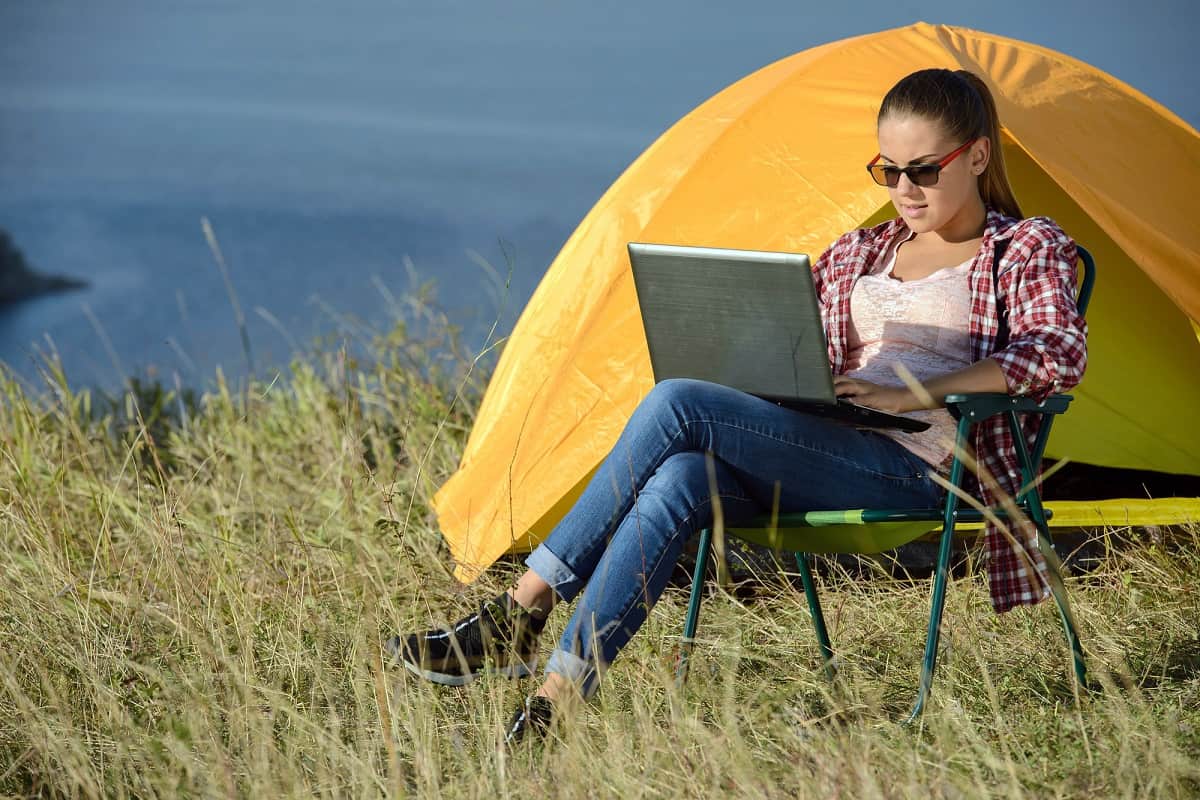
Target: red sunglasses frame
x: 907, y: 170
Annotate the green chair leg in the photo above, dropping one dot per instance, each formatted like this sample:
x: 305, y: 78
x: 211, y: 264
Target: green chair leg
x: 932, y: 637
x: 814, y: 608
x: 1032, y: 503
x: 1072, y: 639
x: 1058, y: 591
x: 693, y: 612
x: 938, y: 601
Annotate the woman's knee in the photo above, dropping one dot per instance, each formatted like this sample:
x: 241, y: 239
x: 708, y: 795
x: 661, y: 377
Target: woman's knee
x: 666, y: 393
x: 673, y: 397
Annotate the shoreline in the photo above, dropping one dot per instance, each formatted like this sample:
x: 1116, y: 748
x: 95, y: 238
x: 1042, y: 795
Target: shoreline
x: 18, y: 281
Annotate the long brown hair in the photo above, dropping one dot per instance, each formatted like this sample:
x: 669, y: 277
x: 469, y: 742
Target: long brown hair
x: 962, y: 104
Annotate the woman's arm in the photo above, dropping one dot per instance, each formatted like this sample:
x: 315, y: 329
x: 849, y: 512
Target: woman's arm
x: 982, y: 376
x: 1047, y: 347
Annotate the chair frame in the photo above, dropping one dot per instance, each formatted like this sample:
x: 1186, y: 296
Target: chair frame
x: 968, y: 410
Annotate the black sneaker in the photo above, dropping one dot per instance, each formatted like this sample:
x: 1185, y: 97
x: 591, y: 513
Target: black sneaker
x: 533, y: 718
x: 502, y: 635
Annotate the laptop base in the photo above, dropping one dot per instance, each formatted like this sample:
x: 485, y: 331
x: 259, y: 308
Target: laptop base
x: 852, y: 414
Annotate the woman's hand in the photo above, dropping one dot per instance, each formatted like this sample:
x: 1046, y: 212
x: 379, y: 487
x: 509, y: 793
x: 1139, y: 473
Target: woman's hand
x: 893, y: 399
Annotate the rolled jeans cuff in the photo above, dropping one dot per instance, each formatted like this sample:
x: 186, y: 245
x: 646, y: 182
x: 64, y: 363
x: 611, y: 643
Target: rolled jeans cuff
x: 583, y: 673
x: 550, y: 568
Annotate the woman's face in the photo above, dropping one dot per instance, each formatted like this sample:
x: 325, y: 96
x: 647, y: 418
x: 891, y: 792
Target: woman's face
x: 909, y: 140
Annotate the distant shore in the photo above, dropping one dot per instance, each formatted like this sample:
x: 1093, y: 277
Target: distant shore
x: 18, y: 281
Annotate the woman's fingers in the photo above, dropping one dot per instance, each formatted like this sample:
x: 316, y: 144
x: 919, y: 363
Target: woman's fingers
x: 872, y: 395
x: 851, y: 387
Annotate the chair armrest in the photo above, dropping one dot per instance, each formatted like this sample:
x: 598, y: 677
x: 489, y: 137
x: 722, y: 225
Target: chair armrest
x: 983, y: 405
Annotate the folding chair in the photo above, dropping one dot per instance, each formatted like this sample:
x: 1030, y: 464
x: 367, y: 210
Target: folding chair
x: 868, y: 531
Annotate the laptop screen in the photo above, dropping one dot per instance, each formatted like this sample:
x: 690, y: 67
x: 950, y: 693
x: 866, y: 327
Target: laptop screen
x: 743, y: 318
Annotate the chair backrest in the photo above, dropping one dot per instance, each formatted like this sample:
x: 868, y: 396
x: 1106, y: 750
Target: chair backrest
x: 1089, y: 279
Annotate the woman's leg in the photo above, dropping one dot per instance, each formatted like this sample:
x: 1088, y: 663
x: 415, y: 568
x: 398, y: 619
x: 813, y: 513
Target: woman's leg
x: 756, y: 445
x: 818, y: 463
x: 674, y: 504
x: 623, y: 536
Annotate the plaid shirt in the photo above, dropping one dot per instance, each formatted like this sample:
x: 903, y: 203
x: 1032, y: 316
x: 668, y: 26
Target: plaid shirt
x: 1046, y: 353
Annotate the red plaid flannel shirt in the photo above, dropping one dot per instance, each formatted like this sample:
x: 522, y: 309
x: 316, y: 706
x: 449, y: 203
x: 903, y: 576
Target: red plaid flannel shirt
x: 1046, y: 353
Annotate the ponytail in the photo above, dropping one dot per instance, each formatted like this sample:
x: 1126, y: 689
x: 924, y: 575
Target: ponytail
x: 994, y: 187
x: 963, y: 105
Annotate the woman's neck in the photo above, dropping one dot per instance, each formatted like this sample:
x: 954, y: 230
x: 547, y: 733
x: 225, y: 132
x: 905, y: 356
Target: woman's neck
x: 968, y: 225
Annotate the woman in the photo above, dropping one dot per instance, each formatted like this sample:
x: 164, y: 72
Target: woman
x: 926, y: 291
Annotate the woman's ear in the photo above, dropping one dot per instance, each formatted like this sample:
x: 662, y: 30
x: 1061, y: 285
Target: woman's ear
x: 981, y: 154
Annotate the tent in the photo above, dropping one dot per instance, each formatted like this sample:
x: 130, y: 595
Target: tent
x: 775, y: 161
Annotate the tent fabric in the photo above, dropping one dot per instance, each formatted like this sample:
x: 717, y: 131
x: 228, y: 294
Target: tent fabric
x: 775, y: 161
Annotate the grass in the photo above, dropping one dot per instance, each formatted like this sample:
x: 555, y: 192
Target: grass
x: 194, y: 596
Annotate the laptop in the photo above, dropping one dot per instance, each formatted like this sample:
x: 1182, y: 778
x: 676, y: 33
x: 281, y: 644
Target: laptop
x: 747, y: 319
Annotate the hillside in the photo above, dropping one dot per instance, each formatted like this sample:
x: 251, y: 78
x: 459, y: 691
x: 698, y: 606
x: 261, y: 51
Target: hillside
x: 196, y: 588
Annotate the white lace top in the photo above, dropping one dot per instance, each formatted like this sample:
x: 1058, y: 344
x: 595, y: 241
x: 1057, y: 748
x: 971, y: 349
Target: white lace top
x: 921, y: 324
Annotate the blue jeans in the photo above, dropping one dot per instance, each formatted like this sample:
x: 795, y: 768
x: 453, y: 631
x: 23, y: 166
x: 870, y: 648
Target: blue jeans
x: 620, y: 541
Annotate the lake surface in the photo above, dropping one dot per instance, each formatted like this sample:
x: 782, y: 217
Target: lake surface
x: 332, y: 144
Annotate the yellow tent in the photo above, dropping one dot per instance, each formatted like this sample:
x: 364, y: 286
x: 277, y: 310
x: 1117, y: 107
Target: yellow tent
x: 775, y: 161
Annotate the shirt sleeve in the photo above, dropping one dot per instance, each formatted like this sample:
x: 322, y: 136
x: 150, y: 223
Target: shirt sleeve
x: 1047, y: 346
x: 821, y: 277
x: 831, y: 266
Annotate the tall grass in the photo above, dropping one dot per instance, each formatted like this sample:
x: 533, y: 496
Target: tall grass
x: 193, y: 604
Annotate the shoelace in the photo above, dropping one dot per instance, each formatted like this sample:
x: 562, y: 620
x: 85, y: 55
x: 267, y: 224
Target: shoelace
x: 507, y: 619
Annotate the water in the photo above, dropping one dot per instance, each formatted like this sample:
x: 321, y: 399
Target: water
x: 330, y: 143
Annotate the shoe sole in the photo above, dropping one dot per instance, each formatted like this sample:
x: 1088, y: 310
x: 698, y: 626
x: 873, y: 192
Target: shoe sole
x: 519, y: 670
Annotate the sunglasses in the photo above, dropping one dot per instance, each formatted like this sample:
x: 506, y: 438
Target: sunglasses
x: 920, y: 174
